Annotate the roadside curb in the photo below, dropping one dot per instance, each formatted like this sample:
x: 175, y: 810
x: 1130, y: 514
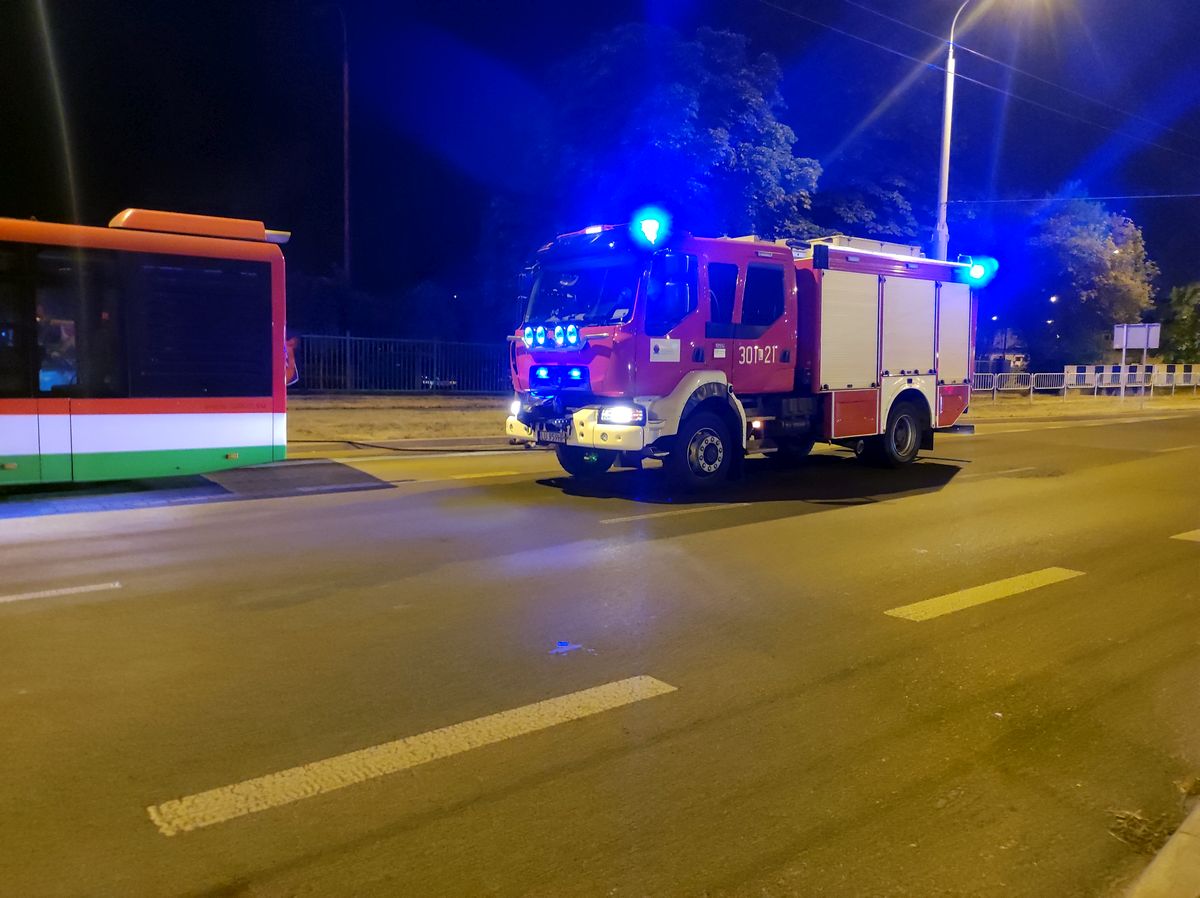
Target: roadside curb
x: 1175, y: 870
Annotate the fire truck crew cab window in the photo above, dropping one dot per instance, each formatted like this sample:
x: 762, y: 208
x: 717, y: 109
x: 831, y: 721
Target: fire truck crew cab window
x: 722, y: 286
x: 762, y: 301
x: 670, y: 292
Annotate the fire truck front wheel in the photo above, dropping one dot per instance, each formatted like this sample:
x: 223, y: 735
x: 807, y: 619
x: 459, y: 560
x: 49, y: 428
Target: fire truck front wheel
x: 702, y: 455
x: 581, y: 462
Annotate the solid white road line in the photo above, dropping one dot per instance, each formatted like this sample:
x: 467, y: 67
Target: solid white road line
x: 287, y: 786
x: 996, y: 473
x: 1190, y: 536
x: 978, y: 595
x: 54, y: 593
x: 668, y: 514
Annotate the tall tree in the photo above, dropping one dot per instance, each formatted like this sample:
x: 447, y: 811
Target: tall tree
x: 644, y: 115
x: 1181, y: 324
x: 1094, y: 263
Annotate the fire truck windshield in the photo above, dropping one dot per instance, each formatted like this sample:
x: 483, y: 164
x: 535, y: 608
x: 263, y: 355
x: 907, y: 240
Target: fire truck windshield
x: 584, y: 291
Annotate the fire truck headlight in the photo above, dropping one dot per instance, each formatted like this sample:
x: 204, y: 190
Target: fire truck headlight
x: 540, y: 335
x: 515, y: 408
x: 559, y: 335
x: 572, y: 335
x: 622, y: 414
x: 527, y: 337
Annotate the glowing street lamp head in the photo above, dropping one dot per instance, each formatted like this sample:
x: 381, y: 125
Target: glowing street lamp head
x: 650, y: 226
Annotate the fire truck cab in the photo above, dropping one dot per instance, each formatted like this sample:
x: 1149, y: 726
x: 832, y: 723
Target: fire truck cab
x: 699, y: 351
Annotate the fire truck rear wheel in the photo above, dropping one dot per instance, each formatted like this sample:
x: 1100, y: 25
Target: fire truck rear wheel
x: 582, y: 462
x: 702, y: 455
x: 898, y: 444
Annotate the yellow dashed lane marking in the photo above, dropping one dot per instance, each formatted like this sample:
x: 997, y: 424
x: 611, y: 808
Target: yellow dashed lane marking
x: 978, y: 595
x: 1191, y: 535
x: 297, y: 783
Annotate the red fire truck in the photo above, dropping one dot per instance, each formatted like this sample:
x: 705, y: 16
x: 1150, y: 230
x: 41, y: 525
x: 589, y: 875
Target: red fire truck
x: 698, y: 351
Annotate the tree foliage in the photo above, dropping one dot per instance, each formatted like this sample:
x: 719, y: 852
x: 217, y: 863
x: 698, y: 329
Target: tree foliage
x: 1181, y: 324
x: 644, y: 114
x: 1095, y: 263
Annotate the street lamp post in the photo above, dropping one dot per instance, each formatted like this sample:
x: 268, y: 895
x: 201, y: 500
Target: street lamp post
x: 942, y: 232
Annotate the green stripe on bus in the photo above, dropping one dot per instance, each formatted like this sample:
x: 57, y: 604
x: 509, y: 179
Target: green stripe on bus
x: 165, y: 462
x: 24, y: 469
x: 16, y: 469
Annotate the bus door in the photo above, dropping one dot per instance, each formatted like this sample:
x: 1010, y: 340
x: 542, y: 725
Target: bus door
x: 20, y: 460
x: 765, y: 346
x: 54, y: 436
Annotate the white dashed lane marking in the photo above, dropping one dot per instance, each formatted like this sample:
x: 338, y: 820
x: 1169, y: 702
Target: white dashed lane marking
x: 308, y: 780
x: 55, y: 593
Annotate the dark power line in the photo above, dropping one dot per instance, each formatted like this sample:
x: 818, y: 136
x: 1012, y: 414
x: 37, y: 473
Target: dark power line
x: 1007, y: 93
x: 1023, y: 72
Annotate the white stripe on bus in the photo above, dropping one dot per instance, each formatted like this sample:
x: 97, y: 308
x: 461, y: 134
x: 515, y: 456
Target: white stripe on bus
x: 18, y: 435
x: 158, y: 432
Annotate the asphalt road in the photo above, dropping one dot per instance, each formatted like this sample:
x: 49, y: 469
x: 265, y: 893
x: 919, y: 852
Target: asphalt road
x: 506, y: 683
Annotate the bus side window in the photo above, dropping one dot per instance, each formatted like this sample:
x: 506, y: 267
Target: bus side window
x: 79, y: 339
x: 16, y: 323
x: 57, y: 276
x: 722, y: 285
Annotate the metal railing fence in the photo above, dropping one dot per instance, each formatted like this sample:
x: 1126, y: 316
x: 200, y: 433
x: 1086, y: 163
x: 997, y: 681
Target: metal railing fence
x: 1049, y: 381
x: 1013, y: 381
x: 374, y: 365
x: 1106, y: 379
x: 983, y: 383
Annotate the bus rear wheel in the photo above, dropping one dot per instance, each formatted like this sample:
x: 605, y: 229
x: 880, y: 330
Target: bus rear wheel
x: 582, y: 462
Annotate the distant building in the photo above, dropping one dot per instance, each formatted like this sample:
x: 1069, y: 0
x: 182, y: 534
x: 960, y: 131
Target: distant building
x: 1006, y: 352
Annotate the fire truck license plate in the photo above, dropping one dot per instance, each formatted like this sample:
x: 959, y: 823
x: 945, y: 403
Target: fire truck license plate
x: 546, y: 435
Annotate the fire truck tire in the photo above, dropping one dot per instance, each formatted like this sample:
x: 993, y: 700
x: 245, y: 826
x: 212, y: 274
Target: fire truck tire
x: 791, y: 453
x: 581, y: 462
x: 702, y: 455
x: 899, y: 443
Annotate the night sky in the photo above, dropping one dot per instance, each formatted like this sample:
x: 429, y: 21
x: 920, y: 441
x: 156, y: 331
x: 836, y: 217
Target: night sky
x: 234, y: 108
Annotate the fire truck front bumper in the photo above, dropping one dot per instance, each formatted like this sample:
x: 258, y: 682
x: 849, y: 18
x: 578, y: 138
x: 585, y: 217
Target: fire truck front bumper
x: 584, y: 428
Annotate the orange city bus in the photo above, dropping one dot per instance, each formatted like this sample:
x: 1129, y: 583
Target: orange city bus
x: 151, y: 347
